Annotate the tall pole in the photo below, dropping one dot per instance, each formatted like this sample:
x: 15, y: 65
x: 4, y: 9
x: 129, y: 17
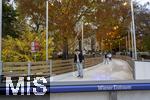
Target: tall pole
x: 82, y: 34
x: 133, y: 27
x: 132, y: 44
x: 46, y: 30
x: 1, y: 39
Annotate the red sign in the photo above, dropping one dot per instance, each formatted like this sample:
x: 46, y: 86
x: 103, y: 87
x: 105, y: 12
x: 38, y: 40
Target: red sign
x: 34, y: 46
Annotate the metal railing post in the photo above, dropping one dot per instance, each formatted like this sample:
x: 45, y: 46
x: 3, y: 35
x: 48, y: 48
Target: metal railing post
x: 1, y: 67
x: 46, y: 30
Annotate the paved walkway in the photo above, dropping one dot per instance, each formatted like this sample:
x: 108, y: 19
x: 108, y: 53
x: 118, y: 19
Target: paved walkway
x: 116, y: 70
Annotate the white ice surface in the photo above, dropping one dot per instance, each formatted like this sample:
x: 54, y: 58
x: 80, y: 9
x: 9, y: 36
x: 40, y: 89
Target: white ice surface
x: 116, y: 70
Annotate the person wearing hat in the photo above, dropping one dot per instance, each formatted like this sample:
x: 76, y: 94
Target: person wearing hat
x: 78, y: 60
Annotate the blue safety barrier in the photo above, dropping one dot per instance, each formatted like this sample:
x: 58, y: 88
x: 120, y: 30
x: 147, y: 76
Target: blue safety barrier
x: 89, y: 88
x: 99, y: 87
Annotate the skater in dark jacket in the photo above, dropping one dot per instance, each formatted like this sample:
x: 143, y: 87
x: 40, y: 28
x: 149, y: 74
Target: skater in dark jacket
x: 78, y: 60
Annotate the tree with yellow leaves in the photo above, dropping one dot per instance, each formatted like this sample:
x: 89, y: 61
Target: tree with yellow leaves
x: 19, y: 49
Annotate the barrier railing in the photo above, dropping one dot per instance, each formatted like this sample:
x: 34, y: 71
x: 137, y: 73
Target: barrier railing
x: 53, y: 67
x: 25, y: 68
x: 64, y: 66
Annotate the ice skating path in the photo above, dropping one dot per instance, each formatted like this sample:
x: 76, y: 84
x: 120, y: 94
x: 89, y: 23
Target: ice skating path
x: 116, y: 70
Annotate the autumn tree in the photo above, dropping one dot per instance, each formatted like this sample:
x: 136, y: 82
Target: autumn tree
x: 33, y: 11
x: 19, y: 49
x: 112, y: 18
x: 99, y: 17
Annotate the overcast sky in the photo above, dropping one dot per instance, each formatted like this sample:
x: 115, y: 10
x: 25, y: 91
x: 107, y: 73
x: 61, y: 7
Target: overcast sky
x: 142, y: 1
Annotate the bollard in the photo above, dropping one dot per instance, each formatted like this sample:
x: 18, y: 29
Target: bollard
x: 1, y: 71
x: 29, y: 68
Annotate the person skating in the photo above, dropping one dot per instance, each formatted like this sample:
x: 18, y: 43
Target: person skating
x: 78, y: 60
x: 105, y: 58
x: 109, y: 56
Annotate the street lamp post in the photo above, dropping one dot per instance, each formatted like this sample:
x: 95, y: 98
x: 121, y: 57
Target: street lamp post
x: 133, y: 31
x: 47, y: 35
x: 132, y: 44
x: 82, y: 34
x: 47, y: 30
x: 1, y: 40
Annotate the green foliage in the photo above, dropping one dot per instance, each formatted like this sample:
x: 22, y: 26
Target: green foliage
x: 146, y: 43
x: 19, y: 49
x: 142, y: 22
x: 11, y: 23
